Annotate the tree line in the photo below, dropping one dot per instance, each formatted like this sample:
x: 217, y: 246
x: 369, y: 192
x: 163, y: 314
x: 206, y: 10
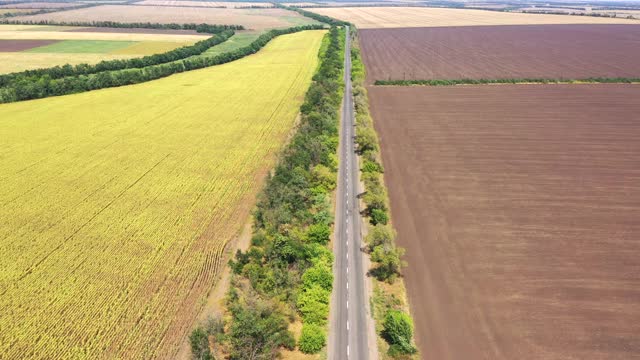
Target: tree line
x: 450, y: 82
x: 45, y: 86
x: 397, y: 326
x: 287, y: 271
x: 201, y: 28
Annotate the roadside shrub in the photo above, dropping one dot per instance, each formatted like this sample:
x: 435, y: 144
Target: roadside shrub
x: 319, y: 274
x: 378, y: 216
x: 371, y: 167
x: 313, y: 304
x: 389, y: 262
x: 380, y: 235
x: 319, y: 233
x: 398, y: 332
x: 312, y: 340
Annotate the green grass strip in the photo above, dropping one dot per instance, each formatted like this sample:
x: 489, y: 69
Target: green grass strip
x: 83, y: 47
x: 450, y: 82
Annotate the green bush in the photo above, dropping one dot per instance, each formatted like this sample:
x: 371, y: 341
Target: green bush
x: 312, y: 340
x: 380, y: 235
x: 398, y: 331
x: 313, y: 304
x: 319, y: 274
x: 389, y: 262
x: 371, y: 167
x: 319, y: 233
x: 378, y: 216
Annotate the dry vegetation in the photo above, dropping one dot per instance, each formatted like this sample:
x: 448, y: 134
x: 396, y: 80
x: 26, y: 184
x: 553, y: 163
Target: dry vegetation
x: 257, y: 19
x: 400, y: 17
x: 519, y: 208
x: 116, y: 213
x: 502, y: 52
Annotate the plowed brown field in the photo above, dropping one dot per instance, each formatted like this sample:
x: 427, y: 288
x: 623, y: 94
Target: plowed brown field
x: 501, y: 52
x: 519, y: 206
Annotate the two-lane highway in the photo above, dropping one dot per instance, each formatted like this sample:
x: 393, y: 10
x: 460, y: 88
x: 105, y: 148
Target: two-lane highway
x: 349, y: 321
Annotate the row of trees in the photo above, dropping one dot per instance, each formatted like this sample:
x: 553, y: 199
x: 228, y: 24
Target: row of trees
x: 287, y: 271
x: 380, y: 241
x: 45, y: 86
x: 450, y: 82
x: 201, y: 28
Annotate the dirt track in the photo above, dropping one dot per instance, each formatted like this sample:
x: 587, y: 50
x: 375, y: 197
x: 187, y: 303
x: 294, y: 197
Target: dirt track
x: 519, y: 206
x: 542, y: 51
x: 21, y: 45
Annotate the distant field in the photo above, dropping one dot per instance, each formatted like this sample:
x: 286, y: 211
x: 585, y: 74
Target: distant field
x: 400, y: 17
x: 34, y: 47
x: 20, y: 61
x: 15, y: 11
x: 502, y: 52
x: 255, y: 19
x: 227, y: 4
x: 116, y: 213
x: 39, y: 5
x: 83, y: 46
x: 9, y: 32
x: 518, y: 206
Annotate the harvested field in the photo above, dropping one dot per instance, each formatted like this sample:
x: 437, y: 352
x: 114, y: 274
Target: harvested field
x: 256, y: 19
x: 54, y: 34
x: 21, y: 45
x: 519, y: 208
x: 401, y: 17
x: 502, y: 52
x: 116, y: 213
x: 225, y: 4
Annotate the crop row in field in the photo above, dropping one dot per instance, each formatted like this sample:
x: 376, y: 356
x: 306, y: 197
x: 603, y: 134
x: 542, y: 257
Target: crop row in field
x: 117, y: 212
x: 402, y: 17
x: 502, y: 52
x: 254, y: 19
x: 518, y: 206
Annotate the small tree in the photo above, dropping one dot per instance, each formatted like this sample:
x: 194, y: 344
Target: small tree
x: 389, y: 259
x: 398, y: 331
x: 380, y: 235
x: 379, y: 216
x: 312, y: 340
x: 319, y: 233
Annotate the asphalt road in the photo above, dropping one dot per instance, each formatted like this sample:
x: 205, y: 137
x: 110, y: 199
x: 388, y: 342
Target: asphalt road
x: 348, y: 338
